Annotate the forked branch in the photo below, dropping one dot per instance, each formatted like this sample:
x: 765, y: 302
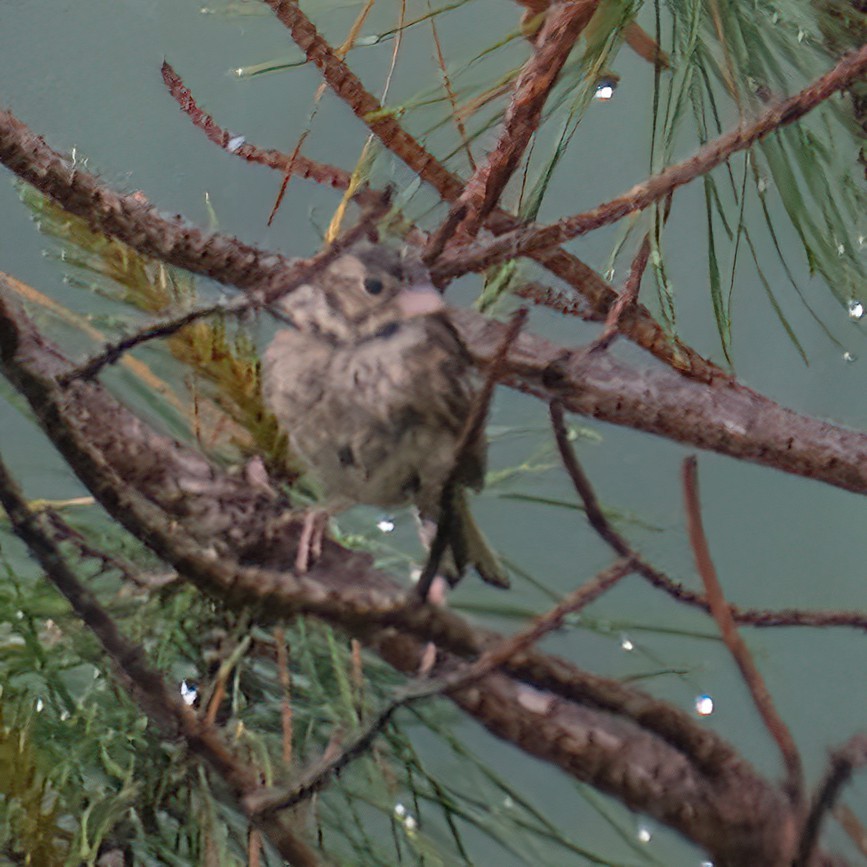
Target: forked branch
x: 526, y: 241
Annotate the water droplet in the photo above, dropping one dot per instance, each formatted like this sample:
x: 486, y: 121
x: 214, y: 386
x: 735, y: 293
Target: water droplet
x: 645, y: 835
x: 39, y: 705
x: 235, y: 142
x: 704, y: 705
x: 856, y: 309
x: 605, y: 88
x: 64, y: 715
x: 626, y: 643
x: 189, y: 693
x: 849, y: 357
x: 508, y: 803
x: 841, y: 249
x: 409, y: 822
x: 762, y: 186
x: 385, y: 524
x: 802, y: 35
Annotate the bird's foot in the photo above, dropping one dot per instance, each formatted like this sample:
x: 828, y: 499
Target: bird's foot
x: 310, y: 542
x: 256, y: 476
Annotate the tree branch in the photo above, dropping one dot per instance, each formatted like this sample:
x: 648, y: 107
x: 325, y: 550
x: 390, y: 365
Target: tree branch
x: 426, y: 687
x: 719, y: 608
x: 563, y: 25
x: 639, y: 325
x: 528, y: 240
x: 297, y: 164
x: 367, y: 107
x: 133, y: 221
x: 621, y: 546
x: 844, y: 762
x: 163, y: 705
x: 203, y: 523
x: 725, y: 417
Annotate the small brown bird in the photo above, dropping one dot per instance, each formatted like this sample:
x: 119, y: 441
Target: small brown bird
x: 374, y: 386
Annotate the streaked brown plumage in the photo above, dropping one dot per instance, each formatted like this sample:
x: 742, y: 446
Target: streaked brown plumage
x: 374, y: 386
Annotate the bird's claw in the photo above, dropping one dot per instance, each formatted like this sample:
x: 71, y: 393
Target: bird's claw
x: 310, y: 541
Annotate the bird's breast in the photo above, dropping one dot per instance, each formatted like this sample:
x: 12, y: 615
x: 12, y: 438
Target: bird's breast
x: 367, y: 418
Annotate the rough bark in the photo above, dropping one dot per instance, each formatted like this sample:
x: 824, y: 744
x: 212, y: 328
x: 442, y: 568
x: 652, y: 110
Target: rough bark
x: 233, y: 542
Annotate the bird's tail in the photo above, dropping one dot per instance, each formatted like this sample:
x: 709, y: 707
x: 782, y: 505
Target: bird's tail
x: 469, y: 547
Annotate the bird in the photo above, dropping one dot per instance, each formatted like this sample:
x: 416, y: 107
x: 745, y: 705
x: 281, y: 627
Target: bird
x: 373, y: 385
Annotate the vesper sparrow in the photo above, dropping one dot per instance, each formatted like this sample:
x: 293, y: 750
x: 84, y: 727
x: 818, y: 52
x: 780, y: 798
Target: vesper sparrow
x: 373, y: 386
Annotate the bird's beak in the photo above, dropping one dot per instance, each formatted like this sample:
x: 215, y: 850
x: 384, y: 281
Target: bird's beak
x: 420, y: 299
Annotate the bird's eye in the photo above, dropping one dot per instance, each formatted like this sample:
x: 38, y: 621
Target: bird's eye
x: 373, y: 285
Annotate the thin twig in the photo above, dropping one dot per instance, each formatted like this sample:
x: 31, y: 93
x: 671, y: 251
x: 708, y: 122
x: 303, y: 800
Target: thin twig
x: 578, y: 599
x: 341, y: 52
x: 636, y: 322
x: 62, y: 531
x: 162, y: 704
x: 438, y: 239
x: 565, y: 303
x: 853, y: 827
x: 265, y: 801
x: 746, y: 616
x: 112, y: 352
x: 349, y: 88
x: 530, y: 239
x: 563, y: 25
x: 774, y: 723
x: 592, y: 510
x: 628, y: 298
x: 297, y: 164
x: 447, y: 86
x: 473, y: 430
x: 285, y: 676
x: 844, y: 762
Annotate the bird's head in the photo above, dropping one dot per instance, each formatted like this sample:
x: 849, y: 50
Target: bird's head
x: 363, y: 292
